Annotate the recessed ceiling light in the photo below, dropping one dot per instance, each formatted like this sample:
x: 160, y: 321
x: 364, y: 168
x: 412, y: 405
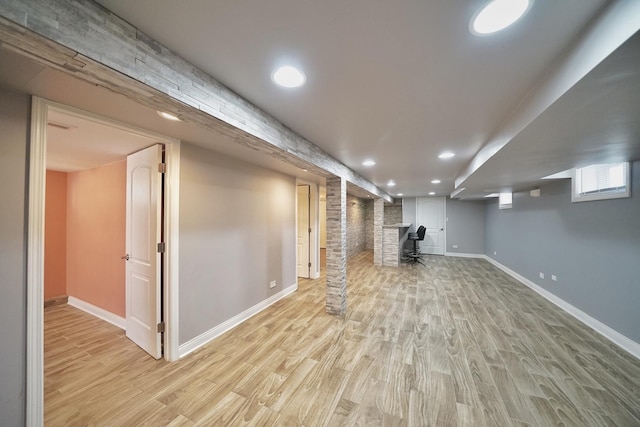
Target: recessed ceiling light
x: 305, y: 170
x: 368, y: 163
x: 446, y: 155
x: 288, y: 76
x: 432, y: 193
x: 498, y: 15
x: 400, y: 194
x: 391, y: 183
x: 435, y: 181
x: 168, y: 116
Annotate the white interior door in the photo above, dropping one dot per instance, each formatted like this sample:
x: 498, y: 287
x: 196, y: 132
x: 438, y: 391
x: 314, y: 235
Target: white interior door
x: 144, y: 232
x: 430, y: 213
x: 304, y: 232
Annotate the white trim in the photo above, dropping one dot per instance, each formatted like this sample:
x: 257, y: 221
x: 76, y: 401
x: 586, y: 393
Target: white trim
x: 463, y: 255
x: 604, y: 330
x: 172, y: 255
x: 35, y: 245
x: 35, y: 265
x: 98, y: 312
x: 211, y: 334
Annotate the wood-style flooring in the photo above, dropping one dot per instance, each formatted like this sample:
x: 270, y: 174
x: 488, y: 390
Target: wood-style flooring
x: 455, y: 343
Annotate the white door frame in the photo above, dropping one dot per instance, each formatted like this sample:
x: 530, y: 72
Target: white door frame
x: 35, y: 245
x: 314, y: 223
x: 303, y: 236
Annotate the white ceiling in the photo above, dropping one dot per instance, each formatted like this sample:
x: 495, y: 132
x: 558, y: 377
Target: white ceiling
x: 75, y: 143
x: 398, y: 82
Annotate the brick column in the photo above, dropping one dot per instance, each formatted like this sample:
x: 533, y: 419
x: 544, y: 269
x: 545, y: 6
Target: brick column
x: 336, y: 245
x: 378, y: 222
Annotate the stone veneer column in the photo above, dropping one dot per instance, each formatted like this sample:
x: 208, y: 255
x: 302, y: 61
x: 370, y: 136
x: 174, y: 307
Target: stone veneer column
x: 378, y: 222
x: 336, y: 245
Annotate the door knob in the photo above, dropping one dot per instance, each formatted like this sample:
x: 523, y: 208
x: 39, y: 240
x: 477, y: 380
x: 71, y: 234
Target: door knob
x: 125, y: 257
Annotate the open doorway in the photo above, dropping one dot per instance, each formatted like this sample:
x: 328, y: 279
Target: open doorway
x: 60, y: 116
x: 307, y: 230
x: 323, y: 227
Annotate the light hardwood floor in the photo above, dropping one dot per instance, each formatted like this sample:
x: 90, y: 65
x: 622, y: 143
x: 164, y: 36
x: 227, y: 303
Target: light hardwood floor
x: 457, y: 342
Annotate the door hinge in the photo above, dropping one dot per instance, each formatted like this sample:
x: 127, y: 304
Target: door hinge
x: 309, y: 265
x: 309, y: 231
x: 162, y: 247
x: 160, y: 328
x: 162, y: 167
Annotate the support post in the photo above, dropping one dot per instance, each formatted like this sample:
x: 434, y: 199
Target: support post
x: 336, y: 246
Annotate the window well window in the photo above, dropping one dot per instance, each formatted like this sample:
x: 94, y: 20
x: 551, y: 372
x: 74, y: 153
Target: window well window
x: 603, y: 181
x: 505, y: 201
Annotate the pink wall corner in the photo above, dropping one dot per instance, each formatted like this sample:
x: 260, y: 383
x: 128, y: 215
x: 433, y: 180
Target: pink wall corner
x: 55, y: 235
x: 96, y: 225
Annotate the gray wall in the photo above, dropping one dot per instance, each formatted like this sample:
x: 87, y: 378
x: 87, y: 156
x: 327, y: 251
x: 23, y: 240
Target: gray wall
x: 356, y: 226
x: 237, y: 233
x: 465, y: 226
x: 14, y: 134
x: 592, y: 247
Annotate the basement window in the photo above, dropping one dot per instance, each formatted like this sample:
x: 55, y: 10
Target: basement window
x: 505, y: 200
x: 603, y: 181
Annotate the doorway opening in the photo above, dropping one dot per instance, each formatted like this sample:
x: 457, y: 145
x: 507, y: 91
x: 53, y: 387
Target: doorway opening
x: 307, y: 230
x: 44, y: 114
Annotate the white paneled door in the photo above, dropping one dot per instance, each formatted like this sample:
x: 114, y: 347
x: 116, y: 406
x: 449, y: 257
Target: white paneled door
x: 304, y: 230
x: 143, y: 257
x: 430, y: 213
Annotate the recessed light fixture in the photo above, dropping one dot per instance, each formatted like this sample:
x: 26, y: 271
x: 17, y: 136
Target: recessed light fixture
x: 498, y: 15
x: 435, y: 181
x: 288, y: 76
x: 432, y: 193
x: 391, y: 183
x: 446, y: 155
x: 368, y: 162
x: 168, y: 116
x: 305, y: 170
x: 400, y: 194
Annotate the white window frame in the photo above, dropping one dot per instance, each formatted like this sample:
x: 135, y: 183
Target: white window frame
x: 611, y: 193
x: 505, y: 200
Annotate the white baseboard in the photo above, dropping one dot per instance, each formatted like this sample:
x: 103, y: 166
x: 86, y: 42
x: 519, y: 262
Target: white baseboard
x: 98, y: 312
x: 463, y: 255
x: 216, y: 331
x: 604, y: 330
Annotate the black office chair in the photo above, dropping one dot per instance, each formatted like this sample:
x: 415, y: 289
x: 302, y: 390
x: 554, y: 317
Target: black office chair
x: 416, y: 237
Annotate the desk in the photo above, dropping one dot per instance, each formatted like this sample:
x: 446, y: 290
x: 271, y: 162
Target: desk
x: 393, y: 238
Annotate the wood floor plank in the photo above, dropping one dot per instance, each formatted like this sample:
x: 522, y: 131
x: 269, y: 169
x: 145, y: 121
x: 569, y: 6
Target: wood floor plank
x: 455, y: 342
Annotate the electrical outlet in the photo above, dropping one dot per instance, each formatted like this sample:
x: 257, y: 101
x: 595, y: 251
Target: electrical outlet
x: 554, y: 278
x: 541, y: 275
x: 272, y: 284
x: 455, y: 246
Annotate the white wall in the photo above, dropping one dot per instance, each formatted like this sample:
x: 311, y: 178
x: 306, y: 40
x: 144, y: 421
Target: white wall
x: 237, y: 233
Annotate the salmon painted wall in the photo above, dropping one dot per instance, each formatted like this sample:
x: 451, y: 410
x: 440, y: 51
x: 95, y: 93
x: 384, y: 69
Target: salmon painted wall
x: 55, y: 236
x: 96, y: 214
